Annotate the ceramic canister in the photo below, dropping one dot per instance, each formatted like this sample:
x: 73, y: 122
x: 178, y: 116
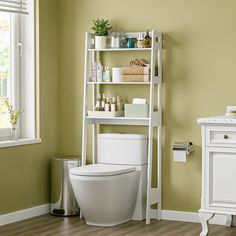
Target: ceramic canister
x: 116, y: 74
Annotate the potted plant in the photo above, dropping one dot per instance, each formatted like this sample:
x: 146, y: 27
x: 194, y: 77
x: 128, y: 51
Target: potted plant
x: 101, y: 28
x: 14, y: 116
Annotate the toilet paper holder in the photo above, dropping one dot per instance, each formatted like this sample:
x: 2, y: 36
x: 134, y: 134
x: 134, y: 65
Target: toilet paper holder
x: 181, y: 150
x: 184, y: 146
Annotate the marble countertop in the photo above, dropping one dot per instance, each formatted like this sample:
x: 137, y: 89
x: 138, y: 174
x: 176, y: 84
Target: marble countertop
x: 217, y: 120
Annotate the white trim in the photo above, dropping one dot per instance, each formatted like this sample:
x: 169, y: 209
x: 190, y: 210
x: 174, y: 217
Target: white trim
x: 24, y: 214
x: 165, y: 215
x: 180, y: 216
x: 27, y: 73
x: 187, y: 217
x: 19, y: 142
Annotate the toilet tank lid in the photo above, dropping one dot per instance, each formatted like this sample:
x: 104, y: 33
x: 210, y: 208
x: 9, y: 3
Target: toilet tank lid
x: 101, y: 170
x: 122, y: 136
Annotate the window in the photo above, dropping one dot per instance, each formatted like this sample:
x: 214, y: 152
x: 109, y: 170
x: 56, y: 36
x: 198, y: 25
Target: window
x: 5, y: 68
x: 17, y: 66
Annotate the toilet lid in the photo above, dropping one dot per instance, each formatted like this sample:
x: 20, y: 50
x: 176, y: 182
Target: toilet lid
x: 101, y: 170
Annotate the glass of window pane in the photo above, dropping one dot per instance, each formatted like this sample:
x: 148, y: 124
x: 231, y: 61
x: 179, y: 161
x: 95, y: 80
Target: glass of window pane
x: 5, y: 47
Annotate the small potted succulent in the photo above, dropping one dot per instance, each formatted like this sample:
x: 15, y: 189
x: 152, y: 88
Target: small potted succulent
x: 101, y: 28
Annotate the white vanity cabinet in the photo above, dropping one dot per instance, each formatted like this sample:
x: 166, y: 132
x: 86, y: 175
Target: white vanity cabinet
x: 218, y: 169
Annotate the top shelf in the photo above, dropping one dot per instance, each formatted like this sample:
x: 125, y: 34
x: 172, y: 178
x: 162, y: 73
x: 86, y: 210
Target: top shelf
x: 118, y: 49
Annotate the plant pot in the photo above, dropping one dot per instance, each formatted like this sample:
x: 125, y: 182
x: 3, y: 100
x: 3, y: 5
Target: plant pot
x: 100, y: 42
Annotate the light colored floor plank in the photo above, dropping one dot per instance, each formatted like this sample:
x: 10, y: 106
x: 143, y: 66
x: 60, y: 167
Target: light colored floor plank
x: 47, y: 225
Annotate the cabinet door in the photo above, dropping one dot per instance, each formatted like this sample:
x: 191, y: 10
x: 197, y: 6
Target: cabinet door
x: 220, y: 174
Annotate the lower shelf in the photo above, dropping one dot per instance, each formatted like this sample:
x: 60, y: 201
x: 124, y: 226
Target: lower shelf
x: 121, y: 121
x: 107, y: 114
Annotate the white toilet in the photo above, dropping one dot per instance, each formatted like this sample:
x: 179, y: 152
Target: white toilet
x: 113, y: 191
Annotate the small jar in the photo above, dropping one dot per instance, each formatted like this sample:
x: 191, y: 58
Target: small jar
x: 123, y: 40
x: 120, y: 104
x: 140, y: 43
x: 107, y: 107
x: 115, y: 40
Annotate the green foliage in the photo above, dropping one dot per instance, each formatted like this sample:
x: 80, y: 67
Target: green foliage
x: 101, y: 27
x: 14, y: 115
x: 4, y: 48
x: 4, y: 120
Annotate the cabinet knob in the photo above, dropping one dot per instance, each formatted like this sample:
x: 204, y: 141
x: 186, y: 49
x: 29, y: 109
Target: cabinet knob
x: 226, y: 136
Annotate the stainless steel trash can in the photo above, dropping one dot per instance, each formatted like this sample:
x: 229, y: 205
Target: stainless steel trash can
x: 63, y: 202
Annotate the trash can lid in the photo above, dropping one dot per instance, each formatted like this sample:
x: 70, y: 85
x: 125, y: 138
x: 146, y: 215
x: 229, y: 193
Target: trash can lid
x: 66, y: 158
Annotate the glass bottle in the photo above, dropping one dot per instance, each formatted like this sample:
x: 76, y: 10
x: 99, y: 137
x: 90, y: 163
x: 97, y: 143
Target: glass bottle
x: 130, y: 43
x: 103, y: 102
x: 113, y: 104
x: 147, y: 40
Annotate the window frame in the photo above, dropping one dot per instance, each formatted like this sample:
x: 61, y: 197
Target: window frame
x: 25, y: 75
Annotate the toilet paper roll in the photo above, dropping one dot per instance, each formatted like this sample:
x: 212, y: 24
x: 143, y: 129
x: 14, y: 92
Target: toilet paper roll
x: 180, y: 155
x: 116, y: 74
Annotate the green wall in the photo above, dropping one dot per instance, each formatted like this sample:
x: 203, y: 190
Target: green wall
x: 199, y: 75
x: 24, y: 170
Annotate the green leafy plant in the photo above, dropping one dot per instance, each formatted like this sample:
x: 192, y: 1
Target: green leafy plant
x: 101, y: 27
x: 14, y: 114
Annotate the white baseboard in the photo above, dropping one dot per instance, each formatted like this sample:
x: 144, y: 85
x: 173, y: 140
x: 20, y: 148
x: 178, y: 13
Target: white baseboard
x: 187, y: 217
x: 24, y: 214
x: 165, y: 215
x: 180, y: 216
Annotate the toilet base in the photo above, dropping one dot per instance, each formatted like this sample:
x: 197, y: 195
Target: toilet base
x: 109, y: 224
x: 106, y: 200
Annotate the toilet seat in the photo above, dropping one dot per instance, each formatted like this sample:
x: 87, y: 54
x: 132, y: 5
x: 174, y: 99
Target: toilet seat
x: 101, y: 170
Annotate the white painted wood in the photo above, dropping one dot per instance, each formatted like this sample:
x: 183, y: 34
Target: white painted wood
x: 85, y: 102
x: 154, y: 120
x: 124, y: 83
x: 159, y: 125
x: 27, y: 80
x: 118, y: 121
x: 221, y: 136
x: 180, y: 216
x: 229, y: 221
x: 24, y: 214
x: 165, y: 215
x: 204, y: 219
x: 19, y: 142
x: 150, y: 132
x: 218, y: 169
x: 220, y: 178
x: 119, y: 49
x: 152, y: 196
x: 184, y: 216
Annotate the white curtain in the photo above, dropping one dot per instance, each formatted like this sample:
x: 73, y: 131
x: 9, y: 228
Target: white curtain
x: 14, y: 6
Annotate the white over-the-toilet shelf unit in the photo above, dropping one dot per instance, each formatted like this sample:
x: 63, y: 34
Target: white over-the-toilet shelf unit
x: 153, y: 121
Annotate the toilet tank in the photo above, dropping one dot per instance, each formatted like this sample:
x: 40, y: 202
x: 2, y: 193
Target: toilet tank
x: 127, y: 149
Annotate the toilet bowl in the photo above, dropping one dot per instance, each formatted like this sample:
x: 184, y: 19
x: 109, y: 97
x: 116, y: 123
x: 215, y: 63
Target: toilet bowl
x: 113, y: 191
x: 110, y: 189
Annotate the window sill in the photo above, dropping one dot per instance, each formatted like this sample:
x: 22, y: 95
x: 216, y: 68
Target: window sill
x: 19, y: 142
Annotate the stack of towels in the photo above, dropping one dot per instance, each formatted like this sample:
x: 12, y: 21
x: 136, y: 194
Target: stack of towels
x: 136, y: 74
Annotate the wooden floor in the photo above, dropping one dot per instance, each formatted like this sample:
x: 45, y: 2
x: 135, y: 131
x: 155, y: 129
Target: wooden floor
x: 48, y: 225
